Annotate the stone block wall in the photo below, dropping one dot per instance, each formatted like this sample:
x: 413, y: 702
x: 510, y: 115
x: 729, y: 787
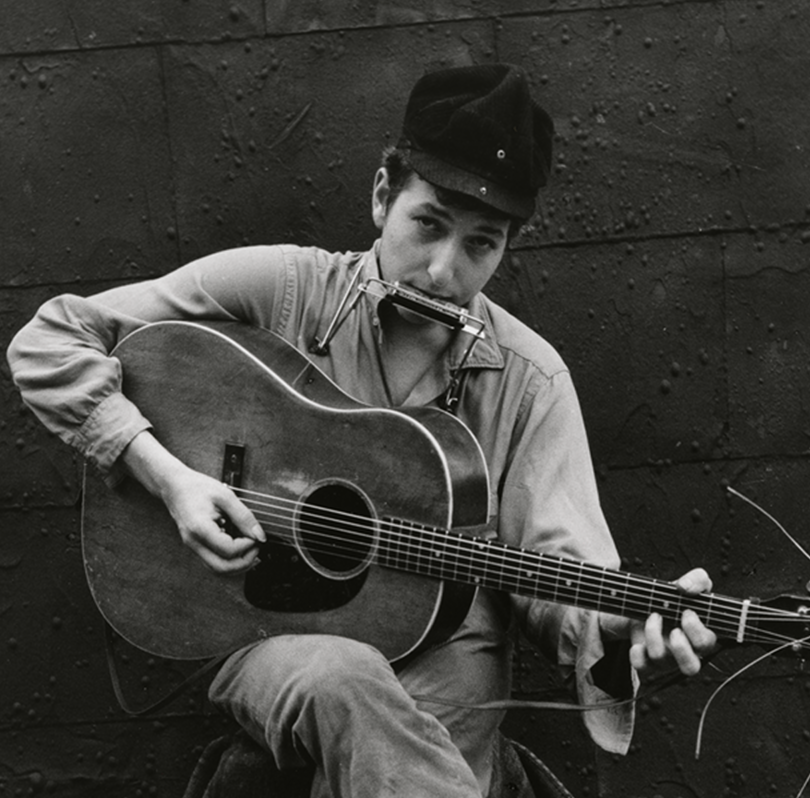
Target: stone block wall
x: 668, y: 262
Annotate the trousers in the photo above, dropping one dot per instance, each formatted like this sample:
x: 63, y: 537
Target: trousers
x: 371, y: 731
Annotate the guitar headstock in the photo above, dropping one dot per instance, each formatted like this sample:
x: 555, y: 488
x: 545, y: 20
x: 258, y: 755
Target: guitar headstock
x: 782, y: 623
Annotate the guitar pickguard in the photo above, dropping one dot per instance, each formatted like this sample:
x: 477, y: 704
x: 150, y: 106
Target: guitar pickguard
x: 284, y: 582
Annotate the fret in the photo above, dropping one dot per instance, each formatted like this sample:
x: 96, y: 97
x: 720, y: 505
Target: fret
x: 413, y: 556
x: 465, y: 562
x: 708, y: 611
x: 436, y: 559
x: 394, y: 544
x: 528, y: 576
x: 480, y: 564
x: 613, y: 598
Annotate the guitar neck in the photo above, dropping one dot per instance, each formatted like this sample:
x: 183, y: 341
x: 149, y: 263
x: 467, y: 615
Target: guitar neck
x: 492, y: 564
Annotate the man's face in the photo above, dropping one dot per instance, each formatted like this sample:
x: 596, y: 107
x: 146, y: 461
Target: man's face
x: 445, y: 252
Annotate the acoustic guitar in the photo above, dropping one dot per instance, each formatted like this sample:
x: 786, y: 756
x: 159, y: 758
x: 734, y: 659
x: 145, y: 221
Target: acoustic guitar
x: 376, y: 518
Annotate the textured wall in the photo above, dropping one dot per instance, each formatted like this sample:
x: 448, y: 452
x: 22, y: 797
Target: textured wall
x: 668, y: 262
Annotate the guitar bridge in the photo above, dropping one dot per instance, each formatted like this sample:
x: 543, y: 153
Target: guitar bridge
x: 233, y: 467
x: 233, y: 464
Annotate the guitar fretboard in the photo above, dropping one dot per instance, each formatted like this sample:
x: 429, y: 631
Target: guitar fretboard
x: 492, y: 564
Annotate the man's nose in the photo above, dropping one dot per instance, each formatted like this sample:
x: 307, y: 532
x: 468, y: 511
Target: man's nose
x: 443, y: 264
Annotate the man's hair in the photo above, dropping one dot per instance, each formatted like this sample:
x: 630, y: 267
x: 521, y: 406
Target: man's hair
x: 399, y: 169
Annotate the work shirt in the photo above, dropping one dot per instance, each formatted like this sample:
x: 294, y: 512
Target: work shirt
x: 516, y: 396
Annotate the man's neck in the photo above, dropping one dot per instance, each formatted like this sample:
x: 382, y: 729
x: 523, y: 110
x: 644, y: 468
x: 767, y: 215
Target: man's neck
x: 411, y: 352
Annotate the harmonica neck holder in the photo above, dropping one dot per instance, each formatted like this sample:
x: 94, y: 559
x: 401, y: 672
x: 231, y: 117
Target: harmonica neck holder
x: 452, y: 316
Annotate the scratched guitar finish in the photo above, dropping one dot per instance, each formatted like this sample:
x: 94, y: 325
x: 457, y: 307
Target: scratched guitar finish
x: 374, y: 516
x: 304, y: 444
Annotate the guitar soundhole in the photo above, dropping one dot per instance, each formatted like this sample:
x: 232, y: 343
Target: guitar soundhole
x: 335, y: 530
x: 334, y: 533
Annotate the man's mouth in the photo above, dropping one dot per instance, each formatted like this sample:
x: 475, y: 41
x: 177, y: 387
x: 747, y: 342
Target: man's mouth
x: 425, y: 304
x: 429, y: 296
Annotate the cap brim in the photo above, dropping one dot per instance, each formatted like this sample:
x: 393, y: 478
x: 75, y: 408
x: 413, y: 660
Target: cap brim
x: 443, y: 174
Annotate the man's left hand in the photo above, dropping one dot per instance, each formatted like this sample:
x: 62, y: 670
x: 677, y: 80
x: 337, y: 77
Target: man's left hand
x: 652, y: 648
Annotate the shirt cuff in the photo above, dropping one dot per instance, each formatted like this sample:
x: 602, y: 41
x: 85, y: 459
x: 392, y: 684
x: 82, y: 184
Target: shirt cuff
x: 580, y: 648
x: 107, y: 432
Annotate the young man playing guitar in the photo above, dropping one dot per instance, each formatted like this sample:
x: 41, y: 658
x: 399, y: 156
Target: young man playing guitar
x: 402, y: 325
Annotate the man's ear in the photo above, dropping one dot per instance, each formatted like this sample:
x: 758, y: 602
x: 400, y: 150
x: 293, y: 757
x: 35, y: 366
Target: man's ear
x: 379, y: 197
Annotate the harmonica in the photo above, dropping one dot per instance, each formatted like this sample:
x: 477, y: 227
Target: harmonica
x: 446, y: 313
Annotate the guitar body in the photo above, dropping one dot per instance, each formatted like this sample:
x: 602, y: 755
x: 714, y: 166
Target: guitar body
x: 228, y: 398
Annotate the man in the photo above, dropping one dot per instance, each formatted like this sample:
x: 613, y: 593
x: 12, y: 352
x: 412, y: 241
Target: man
x: 474, y: 151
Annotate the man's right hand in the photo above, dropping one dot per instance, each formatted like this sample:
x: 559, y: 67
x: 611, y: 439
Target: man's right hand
x: 199, y: 504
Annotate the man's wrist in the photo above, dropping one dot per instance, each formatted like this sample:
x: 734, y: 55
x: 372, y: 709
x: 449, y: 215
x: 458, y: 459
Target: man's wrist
x: 151, y: 463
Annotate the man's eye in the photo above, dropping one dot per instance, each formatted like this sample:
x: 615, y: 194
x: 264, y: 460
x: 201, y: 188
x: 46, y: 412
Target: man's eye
x: 428, y: 222
x: 483, y: 244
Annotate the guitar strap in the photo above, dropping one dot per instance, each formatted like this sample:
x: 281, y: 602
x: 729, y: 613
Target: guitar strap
x: 166, y: 699
x: 450, y: 398
x: 652, y: 685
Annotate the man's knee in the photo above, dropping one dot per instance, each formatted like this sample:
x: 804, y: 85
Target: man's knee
x: 340, y: 667
x: 308, y: 664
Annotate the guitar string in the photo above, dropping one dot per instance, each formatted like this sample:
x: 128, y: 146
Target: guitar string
x: 776, y: 523
x: 518, y: 571
x: 711, y: 698
x: 468, y: 559
x: 754, y: 611
x: 593, y: 598
x: 605, y: 575
x: 462, y: 544
x: 793, y: 644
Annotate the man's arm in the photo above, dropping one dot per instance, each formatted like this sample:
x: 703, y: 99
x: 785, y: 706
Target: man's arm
x: 62, y: 363
x: 61, y: 359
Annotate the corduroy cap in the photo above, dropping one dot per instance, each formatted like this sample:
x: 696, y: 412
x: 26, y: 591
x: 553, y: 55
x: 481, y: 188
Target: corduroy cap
x: 477, y: 130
